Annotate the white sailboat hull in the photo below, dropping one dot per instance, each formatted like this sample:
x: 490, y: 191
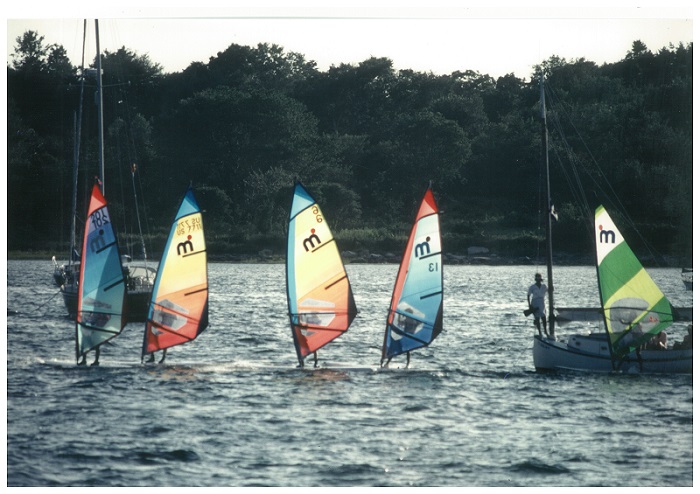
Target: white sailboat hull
x: 590, y: 353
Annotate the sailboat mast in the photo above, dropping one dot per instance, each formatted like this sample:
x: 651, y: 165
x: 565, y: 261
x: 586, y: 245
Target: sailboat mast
x: 73, y: 205
x: 548, y: 223
x: 138, y: 217
x: 100, y: 125
x: 77, y: 126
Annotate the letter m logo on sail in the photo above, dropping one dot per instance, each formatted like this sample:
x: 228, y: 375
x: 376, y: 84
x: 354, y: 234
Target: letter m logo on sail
x: 422, y: 249
x: 97, y: 244
x: 606, y: 237
x: 184, y: 247
x: 311, y: 242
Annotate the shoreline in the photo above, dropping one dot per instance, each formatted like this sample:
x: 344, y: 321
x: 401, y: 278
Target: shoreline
x: 349, y: 257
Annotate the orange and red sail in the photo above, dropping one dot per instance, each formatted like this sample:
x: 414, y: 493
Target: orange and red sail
x: 321, y: 303
x: 179, y: 307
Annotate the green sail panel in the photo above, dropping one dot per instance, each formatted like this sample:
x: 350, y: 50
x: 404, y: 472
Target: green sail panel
x: 635, y: 309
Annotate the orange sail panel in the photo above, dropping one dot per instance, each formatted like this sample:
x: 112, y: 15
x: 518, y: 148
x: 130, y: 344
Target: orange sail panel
x: 321, y: 304
x: 179, y: 311
x: 101, y: 291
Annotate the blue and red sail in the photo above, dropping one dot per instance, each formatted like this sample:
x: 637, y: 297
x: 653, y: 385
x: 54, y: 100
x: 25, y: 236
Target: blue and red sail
x: 101, y: 290
x: 415, y: 313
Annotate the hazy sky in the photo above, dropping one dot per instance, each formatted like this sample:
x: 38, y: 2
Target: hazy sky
x: 495, y: 38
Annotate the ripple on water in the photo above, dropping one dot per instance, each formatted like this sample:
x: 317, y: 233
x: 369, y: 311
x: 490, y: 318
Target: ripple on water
x: 232, y: 409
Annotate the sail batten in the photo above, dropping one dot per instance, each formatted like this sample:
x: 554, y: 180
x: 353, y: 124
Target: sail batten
x: 179, y: 309
x: 320, y: 299
x: 415, y: 313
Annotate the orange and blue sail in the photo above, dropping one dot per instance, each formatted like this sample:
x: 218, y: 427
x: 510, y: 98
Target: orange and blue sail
x: 635, y: 309
x: 179, y: 307
x: 102, y: 289
x: 321, y: 303
x: 415, y: 314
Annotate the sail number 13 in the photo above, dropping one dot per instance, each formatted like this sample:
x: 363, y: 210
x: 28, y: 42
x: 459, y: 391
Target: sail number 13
x: 433, y: 267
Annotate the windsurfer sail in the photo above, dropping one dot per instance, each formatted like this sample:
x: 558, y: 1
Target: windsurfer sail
x: 635, y: 309
x: 102, y: 288
x: 179, y: 307
x: 321, y: 304
x: 415, y: 314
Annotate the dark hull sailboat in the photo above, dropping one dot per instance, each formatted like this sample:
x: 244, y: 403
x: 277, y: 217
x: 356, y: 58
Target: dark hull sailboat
x: 139, y: 279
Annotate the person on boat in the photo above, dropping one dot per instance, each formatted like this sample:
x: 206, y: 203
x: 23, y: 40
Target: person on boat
x: 658, y: 342
x: 535, y: 300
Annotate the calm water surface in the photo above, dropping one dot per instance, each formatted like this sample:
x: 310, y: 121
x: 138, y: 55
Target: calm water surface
x: 231, y: 409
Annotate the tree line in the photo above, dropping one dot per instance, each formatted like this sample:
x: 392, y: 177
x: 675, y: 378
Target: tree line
x: 365, y: 139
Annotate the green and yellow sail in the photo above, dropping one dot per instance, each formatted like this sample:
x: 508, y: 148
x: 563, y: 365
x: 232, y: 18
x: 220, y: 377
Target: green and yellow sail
x: 635, y: 309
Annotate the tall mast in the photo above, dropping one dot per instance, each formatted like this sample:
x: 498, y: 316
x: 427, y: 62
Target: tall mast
x: 548, y: 223
x: 100, y: 130
x: 77, y: 125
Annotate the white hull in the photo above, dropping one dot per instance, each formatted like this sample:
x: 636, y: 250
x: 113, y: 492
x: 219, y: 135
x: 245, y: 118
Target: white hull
x: 590, y: 353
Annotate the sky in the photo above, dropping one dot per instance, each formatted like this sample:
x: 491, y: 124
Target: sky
x: 493, y: 38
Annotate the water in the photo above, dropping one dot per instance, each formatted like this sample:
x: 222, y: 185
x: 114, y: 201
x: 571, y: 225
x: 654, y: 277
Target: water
x: 231, y: 409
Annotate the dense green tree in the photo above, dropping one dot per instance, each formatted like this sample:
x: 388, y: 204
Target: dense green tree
x: 364, y: 138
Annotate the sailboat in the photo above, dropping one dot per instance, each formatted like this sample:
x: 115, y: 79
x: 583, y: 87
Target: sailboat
x: 415, y: 313
x: 179, y: 308
x: 139, y: 277
x: 632, y: 307
x: 319, y: 296
x: 102, y: 288
x: 636, y: 313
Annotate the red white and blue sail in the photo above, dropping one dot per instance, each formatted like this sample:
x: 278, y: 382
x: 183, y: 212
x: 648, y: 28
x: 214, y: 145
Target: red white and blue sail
x: 321, y: 303
x: 102, y: 290
x: 179, y: 307
x: 415, y: 314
